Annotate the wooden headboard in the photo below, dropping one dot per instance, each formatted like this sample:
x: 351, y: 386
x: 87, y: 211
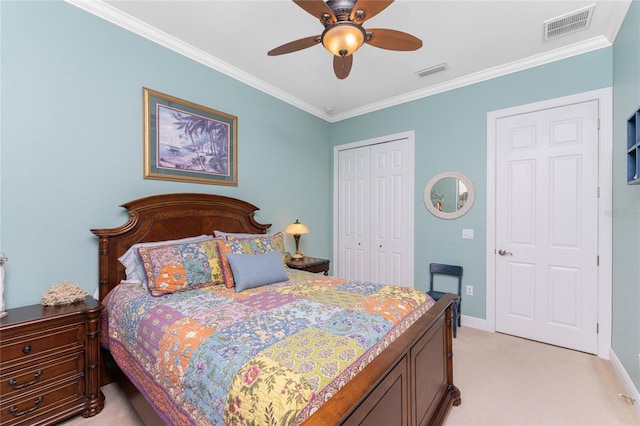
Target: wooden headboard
x: 169, y: 217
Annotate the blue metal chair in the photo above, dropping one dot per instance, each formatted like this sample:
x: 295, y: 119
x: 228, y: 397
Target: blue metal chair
x: 456, y: 271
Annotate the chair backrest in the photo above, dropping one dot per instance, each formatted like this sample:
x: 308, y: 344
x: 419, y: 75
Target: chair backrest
x: 453, y: 270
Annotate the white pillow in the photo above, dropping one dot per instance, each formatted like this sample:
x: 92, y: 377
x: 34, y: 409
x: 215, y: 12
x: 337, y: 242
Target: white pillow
x: 133, y: 269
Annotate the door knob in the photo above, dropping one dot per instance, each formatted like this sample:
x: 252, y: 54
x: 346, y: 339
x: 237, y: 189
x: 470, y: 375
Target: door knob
x: 502, y: 252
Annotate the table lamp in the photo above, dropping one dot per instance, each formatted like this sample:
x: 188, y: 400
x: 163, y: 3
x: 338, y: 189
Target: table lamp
x: 296, y: 229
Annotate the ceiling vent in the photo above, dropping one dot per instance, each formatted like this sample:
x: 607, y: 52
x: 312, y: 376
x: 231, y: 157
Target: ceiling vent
x: 431, y: 70
x: 568, y: 23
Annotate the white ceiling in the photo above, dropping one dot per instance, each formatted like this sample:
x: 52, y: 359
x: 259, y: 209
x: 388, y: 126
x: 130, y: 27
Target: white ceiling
x: 477, y: 39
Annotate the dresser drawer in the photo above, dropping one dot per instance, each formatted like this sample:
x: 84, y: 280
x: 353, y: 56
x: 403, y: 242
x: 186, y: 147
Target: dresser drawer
x: 38, y: 342
x: 50, y: 363
x: 39, y: 404
x: 22, y: 378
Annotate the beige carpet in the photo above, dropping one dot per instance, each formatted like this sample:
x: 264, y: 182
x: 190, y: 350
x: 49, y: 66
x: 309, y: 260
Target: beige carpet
x: 503, y: 380
x: 506, y: 380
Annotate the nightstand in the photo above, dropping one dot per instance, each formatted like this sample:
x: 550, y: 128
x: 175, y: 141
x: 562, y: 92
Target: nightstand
x: 50, y: 366
x: 309, y: 264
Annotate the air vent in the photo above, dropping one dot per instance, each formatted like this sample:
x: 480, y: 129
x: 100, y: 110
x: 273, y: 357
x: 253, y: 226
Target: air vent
x: 568, y: 23
x: 431, y: 70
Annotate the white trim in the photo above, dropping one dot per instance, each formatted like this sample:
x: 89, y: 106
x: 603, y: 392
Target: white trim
x: 484, y: 75
x: 605, y: 183
x: 624, y: 377
x: 473, y: 322
x: 121, y: 19
x: 410, y: 136
x: 136, y: 26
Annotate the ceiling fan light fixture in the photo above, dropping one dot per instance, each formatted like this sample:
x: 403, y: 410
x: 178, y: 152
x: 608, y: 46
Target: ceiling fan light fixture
x: 343, y: 38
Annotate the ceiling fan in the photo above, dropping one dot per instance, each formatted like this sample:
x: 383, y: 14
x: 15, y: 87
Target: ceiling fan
x: 343, y: 32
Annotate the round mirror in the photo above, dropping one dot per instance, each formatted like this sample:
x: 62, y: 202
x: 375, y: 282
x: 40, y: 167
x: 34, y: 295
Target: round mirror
x: 449, y: 195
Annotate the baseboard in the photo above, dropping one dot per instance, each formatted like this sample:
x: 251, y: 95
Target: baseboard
x: 630, y: 388
x: 473, y: 322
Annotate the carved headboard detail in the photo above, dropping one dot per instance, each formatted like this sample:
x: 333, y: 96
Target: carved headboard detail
x: 169, y: 217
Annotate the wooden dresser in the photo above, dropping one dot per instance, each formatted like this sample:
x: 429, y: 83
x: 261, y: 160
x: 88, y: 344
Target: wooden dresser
x: 50, y: 363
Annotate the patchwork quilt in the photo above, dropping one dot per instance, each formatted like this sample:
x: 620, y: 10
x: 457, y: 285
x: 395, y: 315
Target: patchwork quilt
x: 270, y: 355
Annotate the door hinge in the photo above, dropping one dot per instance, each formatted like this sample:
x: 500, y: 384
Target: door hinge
x: 598, y: 124
x: 598, y: 260
x: 598, y: 192
x: 597, y: 328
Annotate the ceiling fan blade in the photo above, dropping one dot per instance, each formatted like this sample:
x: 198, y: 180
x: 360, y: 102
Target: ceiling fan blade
x: 370, y: 8
x: 342, y: 66
x: 316, y: 8
x: 393, y: 40
x: 294, y: 46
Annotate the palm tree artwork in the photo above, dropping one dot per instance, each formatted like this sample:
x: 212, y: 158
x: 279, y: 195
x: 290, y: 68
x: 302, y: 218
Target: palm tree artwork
x: 192, y: 142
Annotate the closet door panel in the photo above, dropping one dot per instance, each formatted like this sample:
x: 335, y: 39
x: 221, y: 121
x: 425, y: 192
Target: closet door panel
x: 354, y: 219
x: 389, y: 215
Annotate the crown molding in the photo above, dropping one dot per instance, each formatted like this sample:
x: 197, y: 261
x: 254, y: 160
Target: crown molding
x: 116, y: 17
x: 488, y: 74
x: 136, y: 26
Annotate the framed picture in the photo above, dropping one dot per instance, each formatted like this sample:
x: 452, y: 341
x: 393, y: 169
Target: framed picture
x: 187, y: 142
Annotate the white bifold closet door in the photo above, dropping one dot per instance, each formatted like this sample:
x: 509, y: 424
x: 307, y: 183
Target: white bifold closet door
x: 375, y: 217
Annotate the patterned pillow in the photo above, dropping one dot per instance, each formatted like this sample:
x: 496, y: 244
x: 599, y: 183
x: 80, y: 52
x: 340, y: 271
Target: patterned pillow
x: 183, y: 266
x: 265, y: 243
x: 241, y: 246
x: 134, y: 270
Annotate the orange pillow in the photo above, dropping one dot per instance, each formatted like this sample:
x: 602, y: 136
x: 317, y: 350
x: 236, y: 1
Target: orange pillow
x: 233, y: 247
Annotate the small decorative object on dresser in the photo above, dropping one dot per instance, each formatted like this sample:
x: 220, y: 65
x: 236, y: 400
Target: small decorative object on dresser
x: 63, y: 294
x: 3, y: 260
x: 50, y: 366
x: 309, y: 264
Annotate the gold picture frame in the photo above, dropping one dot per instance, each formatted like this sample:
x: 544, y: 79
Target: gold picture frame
x: 187, y: 142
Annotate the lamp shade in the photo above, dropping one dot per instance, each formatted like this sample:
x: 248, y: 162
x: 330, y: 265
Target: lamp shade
x: 296, y: 228
x: 343, y: 38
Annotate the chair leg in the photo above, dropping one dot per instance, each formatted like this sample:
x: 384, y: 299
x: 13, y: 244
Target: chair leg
x: 456, y: 318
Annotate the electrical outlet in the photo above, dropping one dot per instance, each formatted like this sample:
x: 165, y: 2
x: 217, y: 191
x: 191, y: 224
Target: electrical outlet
x: 469, y: 290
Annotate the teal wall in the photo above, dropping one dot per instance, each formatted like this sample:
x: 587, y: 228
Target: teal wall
x: 626, y: 199
x: 451, y: 134
x: 72, y: 143
x: 71, y: 151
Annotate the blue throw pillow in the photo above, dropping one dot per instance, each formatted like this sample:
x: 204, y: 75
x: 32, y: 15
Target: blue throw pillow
x: 256, y: 270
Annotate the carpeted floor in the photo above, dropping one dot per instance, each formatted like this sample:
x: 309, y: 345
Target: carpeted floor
x: 503, y: 380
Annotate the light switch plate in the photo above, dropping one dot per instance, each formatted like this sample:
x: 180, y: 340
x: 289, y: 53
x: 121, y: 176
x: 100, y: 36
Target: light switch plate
x: 467, y: 234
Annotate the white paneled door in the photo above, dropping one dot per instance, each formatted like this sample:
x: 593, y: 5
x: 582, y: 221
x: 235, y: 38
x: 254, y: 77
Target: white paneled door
x: 375, y: 212
x: 547, y: 225
x: 354, y: 214
x: 389, y: 219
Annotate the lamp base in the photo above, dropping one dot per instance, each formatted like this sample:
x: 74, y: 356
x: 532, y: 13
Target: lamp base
x: 2, y: 314
x: 297, y: 256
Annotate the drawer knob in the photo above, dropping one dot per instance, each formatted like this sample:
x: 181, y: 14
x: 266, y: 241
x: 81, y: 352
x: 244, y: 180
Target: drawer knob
x: 14, y: 410
x: 14, y: 383
x: 26, y: 349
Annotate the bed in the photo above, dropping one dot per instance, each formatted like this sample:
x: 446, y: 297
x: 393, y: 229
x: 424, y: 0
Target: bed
x: 402, y: 376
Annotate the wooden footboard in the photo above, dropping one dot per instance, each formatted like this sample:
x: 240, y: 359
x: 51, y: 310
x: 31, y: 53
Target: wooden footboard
x: 410, y: 382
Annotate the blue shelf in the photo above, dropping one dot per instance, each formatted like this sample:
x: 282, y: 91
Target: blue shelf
x: 633, y: 149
